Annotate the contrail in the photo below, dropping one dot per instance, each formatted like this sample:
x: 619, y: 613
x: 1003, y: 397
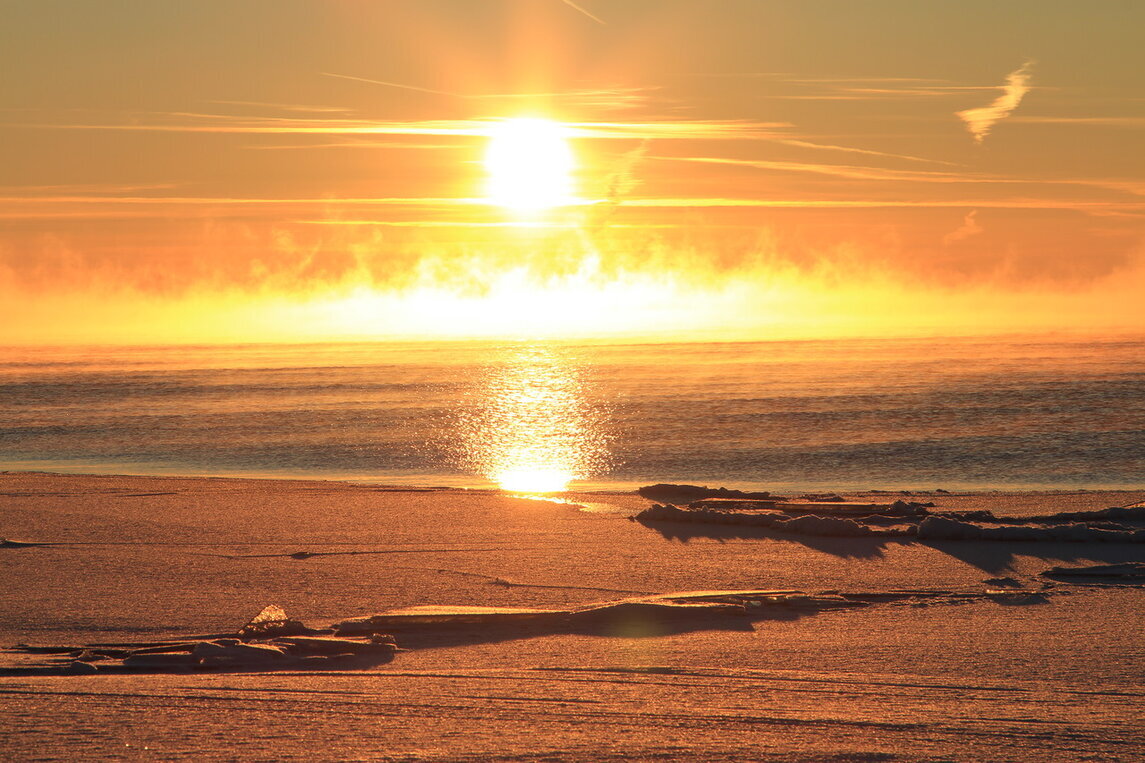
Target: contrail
x: 574, y: 6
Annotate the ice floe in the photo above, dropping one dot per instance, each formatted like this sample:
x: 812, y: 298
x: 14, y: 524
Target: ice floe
x: 370, y: 641
x: 902, y: 519
x: 270, y: 641
x: 1126, y: 572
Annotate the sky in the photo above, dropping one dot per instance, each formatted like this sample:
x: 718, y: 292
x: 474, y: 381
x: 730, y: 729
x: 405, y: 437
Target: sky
x: 298, y: 170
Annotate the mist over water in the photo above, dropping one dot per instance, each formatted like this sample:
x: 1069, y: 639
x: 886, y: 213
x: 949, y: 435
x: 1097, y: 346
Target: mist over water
x: 1011, y: 412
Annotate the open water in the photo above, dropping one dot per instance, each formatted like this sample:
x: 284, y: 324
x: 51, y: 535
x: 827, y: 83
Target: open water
x: 1016, y: 412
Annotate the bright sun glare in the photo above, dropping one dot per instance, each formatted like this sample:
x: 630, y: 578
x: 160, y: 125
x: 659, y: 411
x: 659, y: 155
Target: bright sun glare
x: 534, y: 480
x: 530, y: 165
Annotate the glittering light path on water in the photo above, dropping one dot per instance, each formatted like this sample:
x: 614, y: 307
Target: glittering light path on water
x: 532, y: 429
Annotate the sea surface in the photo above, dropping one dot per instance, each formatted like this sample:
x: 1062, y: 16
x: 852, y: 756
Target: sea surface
x: 1014, y: 412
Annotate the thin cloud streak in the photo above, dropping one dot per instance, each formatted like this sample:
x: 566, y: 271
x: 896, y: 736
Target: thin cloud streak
x: 848, y: 171
x: 480, y: 128
x: 398, y: 85
x: 937, y: 91
x: 362, y: 144
x: 864, y: 151
x: 790, y: 77
x: 576, y: 7
x: 679, y: 129
x: 163, y: 207
x: 441, y: 224
x: 39, y: 192
x: 1097, y: 121
x: 509, y: 224
x: 1092, y: 207
x: 857, y: 88
x: 601, y: 97
x: 297, y: 107
x: 312, y: 209
x: 389, y: 200
x: 837, y: 93
x: 981, y: 121
x: 856, y: 172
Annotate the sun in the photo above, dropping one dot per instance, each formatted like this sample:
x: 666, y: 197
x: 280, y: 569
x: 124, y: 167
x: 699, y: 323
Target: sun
x: 530, y: 165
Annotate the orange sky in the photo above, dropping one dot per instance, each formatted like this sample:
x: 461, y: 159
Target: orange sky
x: 299, y: 170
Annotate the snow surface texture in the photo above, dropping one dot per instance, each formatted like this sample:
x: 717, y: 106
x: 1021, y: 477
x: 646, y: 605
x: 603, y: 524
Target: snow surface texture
x: 984, y: 679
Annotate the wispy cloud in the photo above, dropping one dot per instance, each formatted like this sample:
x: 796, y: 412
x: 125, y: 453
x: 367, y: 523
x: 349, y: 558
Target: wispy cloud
x: 431, y: 212
x: 196, y: 122
x: 94, y: 190
x: 379, y: 223
x: 932, y: 91
x: 969, y: 228
x: 943, y: 177
x: 573, y: 5
x: 165, y: 207
x: 981, y: 121
x: 854, y: 88
x: 292, y: 107
x: 1128, y: 121
x: 226, y: 123
x: 863, y: 151
x: 1090, y: 207
x: 848, y: 171
x: 624, y: 180
x: 614, y: 97
x: 353, y: 144
x: 790, y: 77
x: 398, y: 85
x: 705, y: 129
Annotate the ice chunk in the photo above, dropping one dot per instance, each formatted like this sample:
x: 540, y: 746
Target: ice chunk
x: 161, y: 661
x: 325, y: 645
x: 1126, y: 571
x: 941, y: 526
x: 242, y: 654
x: 689, y: 493
x: 816, y: 525
x: 272, y: 621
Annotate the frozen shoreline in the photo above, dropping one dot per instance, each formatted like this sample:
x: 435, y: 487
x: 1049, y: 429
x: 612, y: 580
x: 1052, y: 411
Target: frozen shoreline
x: 146, y: 559
x: 445, y: 482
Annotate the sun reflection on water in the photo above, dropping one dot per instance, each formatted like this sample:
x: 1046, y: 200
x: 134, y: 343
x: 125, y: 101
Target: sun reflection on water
x: 532, y: 429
